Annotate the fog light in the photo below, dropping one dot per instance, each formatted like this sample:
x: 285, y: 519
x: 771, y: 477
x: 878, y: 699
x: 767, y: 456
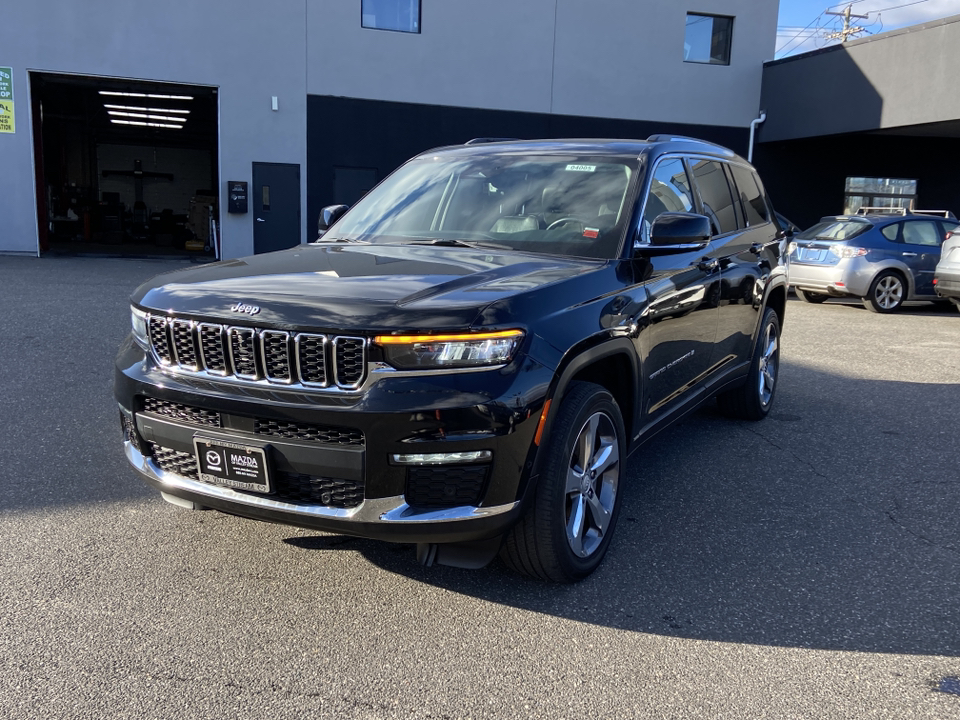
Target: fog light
x: 451, y: 458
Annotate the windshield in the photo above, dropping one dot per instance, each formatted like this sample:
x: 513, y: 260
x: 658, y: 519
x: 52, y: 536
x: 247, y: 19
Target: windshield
x: 835, y: 230
x: 548, y: 204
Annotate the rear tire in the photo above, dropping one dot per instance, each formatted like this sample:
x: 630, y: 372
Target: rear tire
x: 811, y: 297
x: 753, y: 399
x: 887, y: 292
x: 565, y: 532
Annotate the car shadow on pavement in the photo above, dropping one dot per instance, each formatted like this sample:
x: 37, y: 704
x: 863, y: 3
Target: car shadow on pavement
x: 913, y: 307
x: 826, y: 526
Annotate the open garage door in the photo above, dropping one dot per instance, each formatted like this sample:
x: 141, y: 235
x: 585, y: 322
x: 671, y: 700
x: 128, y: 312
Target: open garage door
x: 125, y: 167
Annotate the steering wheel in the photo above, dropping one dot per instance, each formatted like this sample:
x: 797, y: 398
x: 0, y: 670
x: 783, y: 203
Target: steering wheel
x: 565, y: 221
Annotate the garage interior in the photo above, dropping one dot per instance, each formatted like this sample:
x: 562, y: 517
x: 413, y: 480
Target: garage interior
x: 125, y: 167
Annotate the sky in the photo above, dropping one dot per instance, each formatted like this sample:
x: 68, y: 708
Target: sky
x: 803, y: 23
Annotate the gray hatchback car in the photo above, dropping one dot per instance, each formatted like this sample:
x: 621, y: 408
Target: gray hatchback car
x: 882, y: 258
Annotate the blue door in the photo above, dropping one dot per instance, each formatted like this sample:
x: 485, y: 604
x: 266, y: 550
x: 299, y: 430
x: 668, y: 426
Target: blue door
x: 920, y: 242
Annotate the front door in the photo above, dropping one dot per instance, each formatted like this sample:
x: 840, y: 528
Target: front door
x: 276, y: 206
x: 678, y: 326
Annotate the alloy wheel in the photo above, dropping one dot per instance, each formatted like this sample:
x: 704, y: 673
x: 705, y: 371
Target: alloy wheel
x: 769, y: 364
x: 592, y: 482
x: 889, y: 292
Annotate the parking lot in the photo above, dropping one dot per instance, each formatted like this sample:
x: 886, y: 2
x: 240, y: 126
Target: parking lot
x: 807, y: 566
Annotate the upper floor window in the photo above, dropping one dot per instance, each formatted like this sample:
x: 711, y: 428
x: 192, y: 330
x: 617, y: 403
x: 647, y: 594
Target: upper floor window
x: 396, y: 15
x: 707, y: 39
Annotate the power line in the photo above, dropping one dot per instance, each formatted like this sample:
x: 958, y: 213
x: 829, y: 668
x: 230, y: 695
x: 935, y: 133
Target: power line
x: 897, y: 7
x: 783, y: 48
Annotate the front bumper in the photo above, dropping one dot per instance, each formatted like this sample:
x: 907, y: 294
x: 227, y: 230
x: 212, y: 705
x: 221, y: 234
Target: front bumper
x: 495, y: 410
x: 390, y: 519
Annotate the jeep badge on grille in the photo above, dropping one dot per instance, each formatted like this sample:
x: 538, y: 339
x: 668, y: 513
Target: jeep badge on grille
x: 244, y: 308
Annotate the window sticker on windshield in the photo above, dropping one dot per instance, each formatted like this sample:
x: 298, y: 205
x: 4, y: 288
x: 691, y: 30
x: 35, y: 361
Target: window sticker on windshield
x: 593, y: 233
x: 581, y: 168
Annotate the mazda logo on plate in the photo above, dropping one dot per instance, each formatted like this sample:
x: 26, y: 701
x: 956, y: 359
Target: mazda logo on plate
x: 244, y: 308
x: 213, y: 458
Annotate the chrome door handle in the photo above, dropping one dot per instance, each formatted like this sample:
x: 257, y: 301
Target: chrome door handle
x: 708, y: 265
x: 260, y: 220
x: 909, y: 254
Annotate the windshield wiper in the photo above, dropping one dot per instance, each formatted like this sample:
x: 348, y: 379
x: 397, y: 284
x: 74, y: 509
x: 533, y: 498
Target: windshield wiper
x: 454, y: 242
x: 336, y: 239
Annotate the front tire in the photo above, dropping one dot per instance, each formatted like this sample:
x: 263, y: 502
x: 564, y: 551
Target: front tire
x: 887, y: 292
x: 566, y: 530
x: 753, y: 399
x: 811, y: 297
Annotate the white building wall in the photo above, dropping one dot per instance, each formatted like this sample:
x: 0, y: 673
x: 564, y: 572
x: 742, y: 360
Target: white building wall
x: 249, y: 50
x: 599, y: 58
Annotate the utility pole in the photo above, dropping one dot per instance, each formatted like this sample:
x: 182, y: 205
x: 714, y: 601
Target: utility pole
x: 847, y: 30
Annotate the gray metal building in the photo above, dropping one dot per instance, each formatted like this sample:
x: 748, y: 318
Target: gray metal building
x: 131, y: 120
x: 875, y: 121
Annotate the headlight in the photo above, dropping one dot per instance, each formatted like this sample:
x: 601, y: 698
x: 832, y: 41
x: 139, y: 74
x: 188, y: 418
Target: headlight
x: 442, y: 351
x: 138, y: 320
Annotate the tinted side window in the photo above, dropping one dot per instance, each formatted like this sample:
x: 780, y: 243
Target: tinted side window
x: 669, y: 192
x: 922, y: 232
x: 715, y: 194
x: 750, y: 195
x: 890, y: 232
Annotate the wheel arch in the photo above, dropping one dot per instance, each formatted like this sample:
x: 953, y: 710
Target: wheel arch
x: 900, y: 269
x: 612, y: 364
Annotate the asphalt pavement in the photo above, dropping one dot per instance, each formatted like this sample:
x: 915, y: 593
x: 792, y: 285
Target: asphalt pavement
x: 807, y: 566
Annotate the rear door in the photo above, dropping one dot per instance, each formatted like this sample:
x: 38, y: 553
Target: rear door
x: 920, y: 241
x: 744, y: 248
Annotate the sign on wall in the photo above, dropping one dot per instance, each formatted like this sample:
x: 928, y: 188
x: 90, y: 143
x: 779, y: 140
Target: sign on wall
x: 7, y: 124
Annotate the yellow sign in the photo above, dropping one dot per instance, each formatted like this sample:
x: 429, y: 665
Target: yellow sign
x: 7, y: 124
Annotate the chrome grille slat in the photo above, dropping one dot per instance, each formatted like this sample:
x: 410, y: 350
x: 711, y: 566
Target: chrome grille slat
x: 243, y: 352
x: 349, y: 367
x: 184, y: 346
x: 275, y: 346
x: 160, y: 338
x: 212, y: 353
x: 312, y: 360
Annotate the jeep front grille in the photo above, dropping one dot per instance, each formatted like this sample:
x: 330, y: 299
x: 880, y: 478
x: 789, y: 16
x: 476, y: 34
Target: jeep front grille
x: 255, y: 354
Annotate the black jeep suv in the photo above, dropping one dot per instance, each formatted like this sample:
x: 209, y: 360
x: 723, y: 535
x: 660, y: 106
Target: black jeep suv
x: 467, y: 357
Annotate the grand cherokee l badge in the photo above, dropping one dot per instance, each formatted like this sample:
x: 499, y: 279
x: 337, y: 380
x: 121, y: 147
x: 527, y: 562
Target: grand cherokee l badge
x: 243, y: 308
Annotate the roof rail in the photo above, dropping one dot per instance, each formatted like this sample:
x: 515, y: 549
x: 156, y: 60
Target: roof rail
x: 482, y: 140
x: 666, y: 137
x: 882, y: 211
x: 946, y: 214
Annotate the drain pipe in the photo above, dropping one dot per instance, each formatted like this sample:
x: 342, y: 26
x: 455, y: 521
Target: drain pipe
x: 753, y: 129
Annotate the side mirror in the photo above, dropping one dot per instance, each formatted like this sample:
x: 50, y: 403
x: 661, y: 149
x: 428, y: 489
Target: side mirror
x: 328, y: 216
x: 679, y: 231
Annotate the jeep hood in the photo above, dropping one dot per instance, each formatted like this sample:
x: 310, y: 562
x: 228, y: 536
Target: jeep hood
x: 347, y: 287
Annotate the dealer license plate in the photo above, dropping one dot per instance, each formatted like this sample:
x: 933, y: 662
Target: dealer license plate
x: 235, y: 465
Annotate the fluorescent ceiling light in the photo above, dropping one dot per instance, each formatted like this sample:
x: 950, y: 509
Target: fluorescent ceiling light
x: 145, y: 124
x: 140, y: 116
x: 146, y: 95
x: 143, y: 109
